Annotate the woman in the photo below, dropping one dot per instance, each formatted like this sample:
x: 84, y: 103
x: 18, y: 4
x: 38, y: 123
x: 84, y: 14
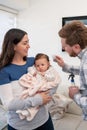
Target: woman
x: 13, y: 64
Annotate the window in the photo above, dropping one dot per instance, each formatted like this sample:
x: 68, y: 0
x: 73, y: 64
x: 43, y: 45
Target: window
x: 7, y: 21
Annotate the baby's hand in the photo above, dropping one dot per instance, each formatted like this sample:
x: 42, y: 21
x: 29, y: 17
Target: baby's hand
x: 35, y: 74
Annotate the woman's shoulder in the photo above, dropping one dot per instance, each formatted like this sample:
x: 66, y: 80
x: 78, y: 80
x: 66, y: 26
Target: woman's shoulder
x: 30, y: 58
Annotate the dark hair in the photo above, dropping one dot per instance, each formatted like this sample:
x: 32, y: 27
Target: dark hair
x: 41, y: 55
x: 74, y: 32
x: 11, y: 38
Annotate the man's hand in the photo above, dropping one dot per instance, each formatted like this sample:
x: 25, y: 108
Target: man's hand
x: 59, y: 61
x: 72, y: 91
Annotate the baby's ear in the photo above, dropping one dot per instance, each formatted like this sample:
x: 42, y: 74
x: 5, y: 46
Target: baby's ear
x: 34, y: 65
x: 35, y: 74
x: 49, y: 64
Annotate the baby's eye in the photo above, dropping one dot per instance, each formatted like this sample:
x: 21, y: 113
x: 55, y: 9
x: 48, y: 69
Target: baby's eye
x: 37, y: 66
x: 42, y: 64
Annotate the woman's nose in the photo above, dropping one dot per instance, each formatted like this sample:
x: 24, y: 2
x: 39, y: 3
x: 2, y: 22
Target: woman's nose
x: 28, y: 45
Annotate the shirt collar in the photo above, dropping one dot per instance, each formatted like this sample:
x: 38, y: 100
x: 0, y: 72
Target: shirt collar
x: 80, y: 55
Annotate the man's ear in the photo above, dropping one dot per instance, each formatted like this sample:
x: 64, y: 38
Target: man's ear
x: 77, y: 46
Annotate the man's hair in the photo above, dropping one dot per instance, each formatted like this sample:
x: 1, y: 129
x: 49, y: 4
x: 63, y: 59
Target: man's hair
x: 74, y: 32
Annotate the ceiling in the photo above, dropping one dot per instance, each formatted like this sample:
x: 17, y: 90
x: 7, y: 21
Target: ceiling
x: 15, y: 4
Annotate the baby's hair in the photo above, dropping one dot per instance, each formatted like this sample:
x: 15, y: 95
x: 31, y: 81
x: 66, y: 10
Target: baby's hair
x: 41, y: 55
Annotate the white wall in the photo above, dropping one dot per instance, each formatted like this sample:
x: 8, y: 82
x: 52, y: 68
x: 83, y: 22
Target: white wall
x: 7, y: 21
x: 42, y: 19
x: 15, y: 4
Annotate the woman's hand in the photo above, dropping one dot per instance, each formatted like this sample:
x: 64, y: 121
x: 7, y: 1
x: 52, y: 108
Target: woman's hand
x: 46, y: 97
x: 72, y: 91
x: 59, y: 61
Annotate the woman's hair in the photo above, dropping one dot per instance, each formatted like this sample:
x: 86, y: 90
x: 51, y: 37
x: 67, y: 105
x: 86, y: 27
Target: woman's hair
x: 74, y: 32
x: 41, y: 55
x: 11, y: 38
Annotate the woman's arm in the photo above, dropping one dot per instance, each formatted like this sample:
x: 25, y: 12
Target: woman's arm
x: 15, y: 103
x: 37, y: 100
x: 6, y: 94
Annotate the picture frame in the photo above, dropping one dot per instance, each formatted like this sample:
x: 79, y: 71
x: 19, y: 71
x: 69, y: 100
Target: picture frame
x: 66, y: 20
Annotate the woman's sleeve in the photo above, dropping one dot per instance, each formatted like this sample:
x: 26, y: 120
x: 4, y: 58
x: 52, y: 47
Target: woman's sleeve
x: 6, y: 94
x: 5, y: 88
x: 17, y: 103
x: 14, y: 103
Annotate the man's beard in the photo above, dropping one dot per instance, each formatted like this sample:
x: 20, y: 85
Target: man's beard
x: 73, y: 54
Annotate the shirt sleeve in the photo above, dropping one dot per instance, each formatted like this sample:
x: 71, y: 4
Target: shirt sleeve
x: 4, y: 77
x: 7, y: 95
x: 14, y: 103
x: 71, y: 69
x: 5, y: 88
x: 77, y: 98
x: 83, y: 75
x: 17, y: 103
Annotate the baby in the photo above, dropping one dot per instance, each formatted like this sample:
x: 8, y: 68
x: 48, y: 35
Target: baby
x: 40, y: 77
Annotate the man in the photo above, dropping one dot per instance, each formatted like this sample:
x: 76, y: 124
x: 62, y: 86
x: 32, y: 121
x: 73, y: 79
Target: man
x: 74, y: 41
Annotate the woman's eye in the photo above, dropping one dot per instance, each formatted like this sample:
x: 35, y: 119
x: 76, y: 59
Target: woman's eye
x: 25, y: 43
